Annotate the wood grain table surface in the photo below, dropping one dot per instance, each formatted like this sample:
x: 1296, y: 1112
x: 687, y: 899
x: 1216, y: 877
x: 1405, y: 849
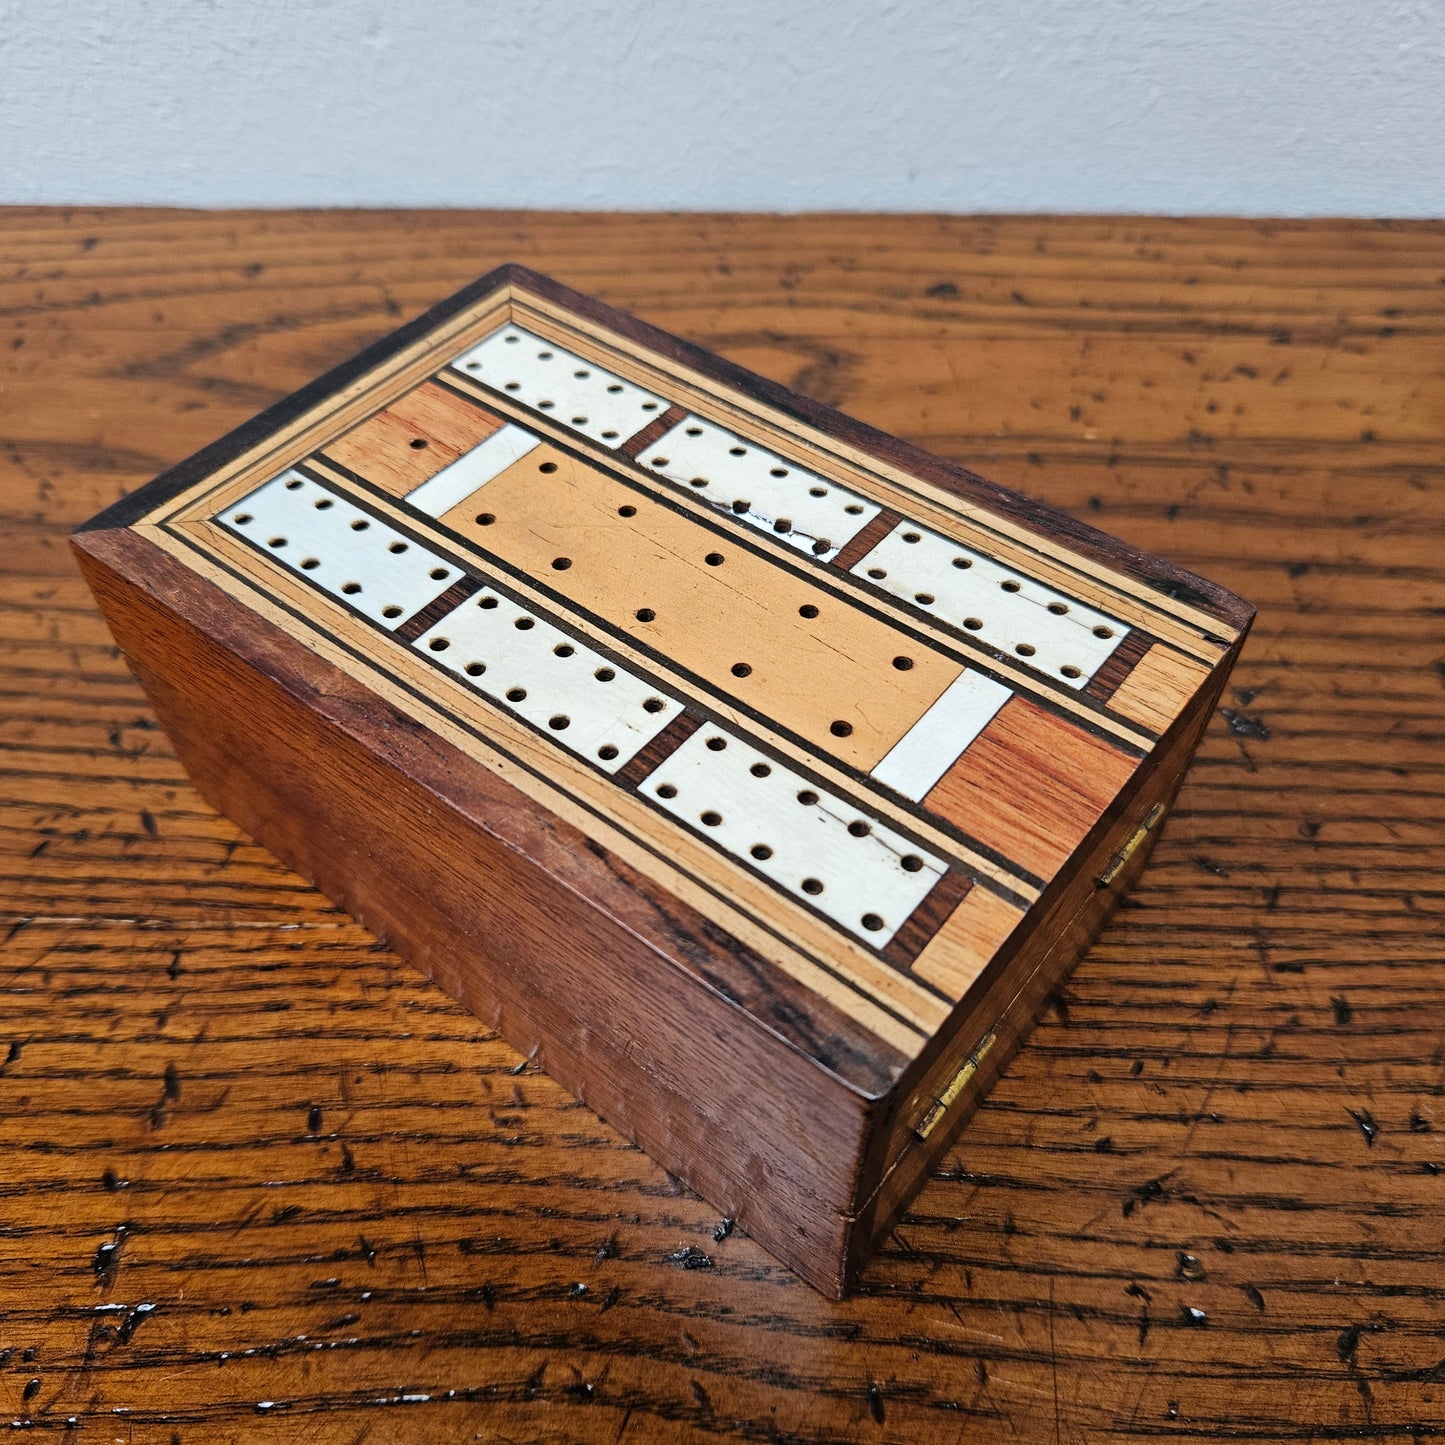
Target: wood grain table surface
x: 260, y: 1180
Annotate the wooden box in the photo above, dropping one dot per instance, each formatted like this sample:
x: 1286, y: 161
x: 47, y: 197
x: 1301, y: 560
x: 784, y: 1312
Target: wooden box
x: 756, y: 773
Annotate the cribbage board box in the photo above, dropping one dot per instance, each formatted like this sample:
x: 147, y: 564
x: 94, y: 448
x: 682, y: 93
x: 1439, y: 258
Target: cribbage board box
x: 754, y: 772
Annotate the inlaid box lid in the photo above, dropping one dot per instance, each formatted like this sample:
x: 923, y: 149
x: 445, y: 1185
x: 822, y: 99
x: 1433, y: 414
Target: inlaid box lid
x: 849, y: 709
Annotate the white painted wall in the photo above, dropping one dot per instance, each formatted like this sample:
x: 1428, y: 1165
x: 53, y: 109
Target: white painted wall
x: 1282, y: 107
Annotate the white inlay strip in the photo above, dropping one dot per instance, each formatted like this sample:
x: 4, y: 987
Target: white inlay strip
x: 473, y: 469
x: 934, y: 743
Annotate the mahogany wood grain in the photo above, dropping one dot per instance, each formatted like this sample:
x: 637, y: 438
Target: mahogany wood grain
x: 414, y: 438
x: 264, y: 1181
x: 1032, y: 785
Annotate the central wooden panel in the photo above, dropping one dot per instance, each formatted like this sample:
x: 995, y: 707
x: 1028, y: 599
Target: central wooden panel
x: 847, y: 683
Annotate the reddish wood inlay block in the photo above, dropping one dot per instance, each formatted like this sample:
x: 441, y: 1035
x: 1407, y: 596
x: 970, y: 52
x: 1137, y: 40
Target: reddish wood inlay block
x: 414, y: 438
x: 1032, y: 785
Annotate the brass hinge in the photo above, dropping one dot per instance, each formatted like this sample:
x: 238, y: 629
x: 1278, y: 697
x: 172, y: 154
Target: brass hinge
x: 956, y: 1085
x: 1116, y: 864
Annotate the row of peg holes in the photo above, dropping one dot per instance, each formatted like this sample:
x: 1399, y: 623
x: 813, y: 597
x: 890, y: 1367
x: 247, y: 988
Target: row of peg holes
x: 1024, y: 649
x: 307, y: 564
x: 858, y: 828
x: 782, y: 525
x: 558, y: 722
x: 547, y: 405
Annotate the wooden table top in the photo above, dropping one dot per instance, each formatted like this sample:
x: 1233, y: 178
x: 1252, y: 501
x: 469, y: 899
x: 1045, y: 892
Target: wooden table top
x: 261, y: 1180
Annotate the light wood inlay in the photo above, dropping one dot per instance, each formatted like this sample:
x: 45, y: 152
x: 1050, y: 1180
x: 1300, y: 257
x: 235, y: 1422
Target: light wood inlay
x: 1161, y: 682
x: 832, y: 678
x: 961, y: 949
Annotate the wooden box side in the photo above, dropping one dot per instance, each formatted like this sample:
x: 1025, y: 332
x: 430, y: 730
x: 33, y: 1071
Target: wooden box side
x: 530, y: 927
x: 939, y: 1093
